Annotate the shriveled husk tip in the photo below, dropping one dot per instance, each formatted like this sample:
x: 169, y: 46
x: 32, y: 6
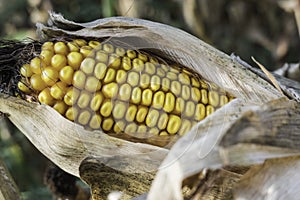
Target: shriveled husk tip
x: 68, y: 144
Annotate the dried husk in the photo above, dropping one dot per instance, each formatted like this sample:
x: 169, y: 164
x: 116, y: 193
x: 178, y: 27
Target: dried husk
x: 205, y: 146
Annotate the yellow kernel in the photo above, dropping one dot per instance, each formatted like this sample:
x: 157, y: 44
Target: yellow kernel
x: 84, y: 117
x: 73, y: 46
x: 174, y: 124
x: 119, y: 126
x: 108, y: 48
x: 147, y: 97
x: 80, y: 42
x: 133, y: 78
x: 186, y: 92
x: 86, y: 51
x: 100, y: 70
x: 79, y: 79
x: 26, y: 71
x: 142, y: 130
x: 150, y: 68
x: 163, y: 121
x: 131, y: 128
x: 209, y: 110
x: 126, y: 63
x: 179, y: 105
x: 145, y: 81
x: 172, y: 76
x: 195, y: 82
x: 110, y: 90
x: 74, y: 59
x: 141, y: 114
x: 71, y: 96
x: 136, y: 95
x: 131, y: 112
x: 95, y: 121
x: 46, y: 56
x: 106, y: 108
x: 164, y: 133
x: 96, y: 101
x: 204, y: 98
x: 152, y: 118
x: 36, y: 65
x: 125, y: 92
x: 138, y: 65
x: 174, y: 68
x: 199, y: 112
x: 66, y: 74
x: 131, y: 54
x: 169, y: 104
x: 203, y: 84
x: 184, y: 79
x: 71, y: 113
x: 114, y: 61
x: 195, y: 94
x: 189, y: 109
x: 61, y: 48
x: 87, y: 65
x: 59, y: 90
x: 176, y: 88
x: 160, y: 72
x: 143, y: 57
x: 223, y: 100
x: 101, y: 56
x: 154, y: 131
x: 185, y: 127
x: 107, y: 124
x: 49, y: 76
x: 120, y: 51
x: 121, y: 76
x: 84, y: 99
x: 153, y: 60
x: 95, y: 44
x: 213, y: 98
x: 155, y: 83
x: 165, y: 84
x: 92, y: 84
x: 158, y: 100
x: 23, y: 87
x: 45, y: 97
x: 48, y: 46
x: 37, y: 83
x: 119, y: 110
x: 61, y: 107
x: 165, y: 67
x: 110, y: 75
x: 58, y: 61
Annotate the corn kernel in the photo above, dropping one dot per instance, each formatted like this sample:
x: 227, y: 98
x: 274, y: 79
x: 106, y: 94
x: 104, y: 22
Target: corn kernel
x: 126, y: 63
x: 174, y: 124
x: 110, y: 90
x: 165, y: 84
x: 72, y: 113
x: 74, y: 59
x: 195, y: 94
x: 199, y: 112
x: 131, y: 128
x: 121, y: 76
x: 153, y: 131
x: 87, y: 65
x: 79, y: 79
x: 195, y: 82
x: 58, y: 61
x: 45, y: 97
x: 169, y: 104
x: 209, y: 110
x: 46, y: 56
x: 184, y: 78
x: 36, y: 65
x: 59, y: 90
x: 176, y: 88
x: 96, y: 101
x: 100, y: 70
x: 213, y: 98
x: 61, y: 48
x: 223, y: 100
x: 163, y: 121
x: 95, y: 121
x: 84, y: 117
x: 101, y: 56
x: 133, y: 78
x: 23, y: 87
x: 131, y: 54
x: 152, y: 118
x: 86, y: 51
x: 71, y: 96
x: 204, y: 98
x: 172, y: 76
x: 119, y: 126
x: 150, y: 68
x: 26, y: 71
x: 179, y: 105
x: 189, y: 109
x: 95, y: 44
x: 107, y: 124
x: 92, y: 84
x: 155, y: 83
x: 106, y: 108
x: 84, y: 99
x: 143, y: 57
x: 37, y: 83
x: 49, y: 76
x: 185, y: 127
x: 147, y: 97
x: 136, y: 95
x: 138, y: 65
x: 141, y: 114
x: 66, y: 74
x: 80, y: 42
x: 114, y: 61
x: 120, y: 51
x: 145, y: 81
x: 125, y: 92
x: 131, y: 112
x: 61, y: 107
x: 110, y: 75
x: 48, y: 46
x: 186, y: 92
x: 158, y: 100
x: 73, y: 47
x: 108, y: 48
x: 119, y: 110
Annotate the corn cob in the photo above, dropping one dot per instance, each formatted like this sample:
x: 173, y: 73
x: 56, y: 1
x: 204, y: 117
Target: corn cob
x: 118, y: 90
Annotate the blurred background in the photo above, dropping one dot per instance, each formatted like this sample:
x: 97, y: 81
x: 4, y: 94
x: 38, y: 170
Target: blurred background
x: 264, y: 29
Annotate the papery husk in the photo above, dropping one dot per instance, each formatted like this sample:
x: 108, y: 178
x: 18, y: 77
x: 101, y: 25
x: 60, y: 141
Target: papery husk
x: 68, y: 144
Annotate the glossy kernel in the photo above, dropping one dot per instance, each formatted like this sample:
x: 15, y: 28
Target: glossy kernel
x: 71, y: 96
x: 189, y: 109
x: 79, y: 79
x: 101, y: 56
x: 133, y: 78
x: 174, y: 124
x: 59, y: 90
x: 49, y: 76
x: 61, y: 48
x: 125, y: 92
x: 136, y: 95
x: 92, y: 84
x: 84, y: 99
x: 61, y: 107
x: 95, y: 121
x: 141, y: 114
x: 84, y: 117
x: 45, y: 97
x: 96, y: 101
x: 155, y: 83
x: 106, y: 108
x: 26, y: 71
x: 152, y: 118
x: 58, y: 61
x: 36, y: 65
x: 66, y: 74
x: 131, y: 112
x: 71, y: 113
x: 119, y: 110
x: 163, y: 121
x: 158, y: 100
x: 37, y: 83
x: 87, y: 65
x: 110, y: 90
x: 100, y: 70
x: 169, y: 104
x: 147, y: 97
x: 75, y: 59
x: 107, y: 124
x: 200, y: 112
x: 46, y: 56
